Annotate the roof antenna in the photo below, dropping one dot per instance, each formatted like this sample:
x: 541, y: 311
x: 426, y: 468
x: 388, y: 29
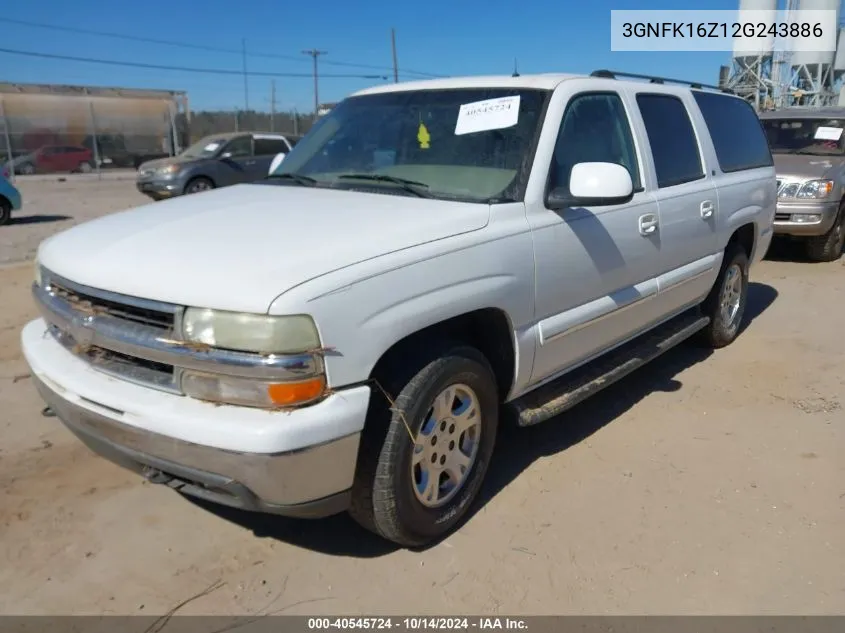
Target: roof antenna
x: 515, y: 71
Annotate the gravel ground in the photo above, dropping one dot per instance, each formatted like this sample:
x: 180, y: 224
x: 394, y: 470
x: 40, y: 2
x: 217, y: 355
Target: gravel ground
x: 706, y: 483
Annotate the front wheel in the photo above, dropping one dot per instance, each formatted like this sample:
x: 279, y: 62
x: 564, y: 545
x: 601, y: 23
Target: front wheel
x: 198, y: 185
x: 725, y: 305
x: 828, y: 247
x: 422, y: 461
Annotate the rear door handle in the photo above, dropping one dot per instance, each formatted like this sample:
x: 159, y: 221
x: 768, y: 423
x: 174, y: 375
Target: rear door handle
x: 706, y: 210
x: 648, y: 224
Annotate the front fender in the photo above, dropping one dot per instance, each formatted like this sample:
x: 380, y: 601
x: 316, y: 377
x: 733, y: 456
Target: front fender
x: 364, y: 310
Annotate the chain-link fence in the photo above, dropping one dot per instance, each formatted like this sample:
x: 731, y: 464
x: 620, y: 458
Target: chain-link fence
x: 204, y: 123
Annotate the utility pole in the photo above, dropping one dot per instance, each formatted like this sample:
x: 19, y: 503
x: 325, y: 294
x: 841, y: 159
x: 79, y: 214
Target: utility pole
x: 273, y: 105
x: 314, y: 53
x: 395, y: 63
x: 246, y: 82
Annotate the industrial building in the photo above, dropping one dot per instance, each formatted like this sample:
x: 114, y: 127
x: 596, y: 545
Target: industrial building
x: 55, y: 128
x: 771, y: 77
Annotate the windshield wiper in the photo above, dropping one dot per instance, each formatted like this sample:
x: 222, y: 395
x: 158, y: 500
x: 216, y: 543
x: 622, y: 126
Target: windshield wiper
x: 412, y: 186
x: 297, y: 178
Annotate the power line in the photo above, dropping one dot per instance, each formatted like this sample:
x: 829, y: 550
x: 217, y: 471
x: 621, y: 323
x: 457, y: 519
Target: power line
x: 213, y: 71
x: 201, y: 47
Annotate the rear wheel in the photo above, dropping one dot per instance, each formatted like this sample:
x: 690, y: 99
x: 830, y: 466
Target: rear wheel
x: 27, y: 169
x: 85, y: 167
x: 5, y: 211
x: 198, y: 184
x: 828, y: 247
x: 422, y: 461
x: 725, y: 305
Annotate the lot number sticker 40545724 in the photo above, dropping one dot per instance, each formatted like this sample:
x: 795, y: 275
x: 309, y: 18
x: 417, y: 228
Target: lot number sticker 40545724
x: 490, y: 114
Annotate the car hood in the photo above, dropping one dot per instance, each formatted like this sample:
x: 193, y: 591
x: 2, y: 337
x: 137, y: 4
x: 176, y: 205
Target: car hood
x: 806, y: 166
x: 240, y: 247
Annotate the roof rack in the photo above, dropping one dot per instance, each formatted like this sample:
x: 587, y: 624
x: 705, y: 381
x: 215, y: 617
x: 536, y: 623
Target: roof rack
x: 613, y: 74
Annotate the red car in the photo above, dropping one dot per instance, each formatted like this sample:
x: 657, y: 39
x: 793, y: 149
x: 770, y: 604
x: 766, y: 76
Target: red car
x: 53, y: 158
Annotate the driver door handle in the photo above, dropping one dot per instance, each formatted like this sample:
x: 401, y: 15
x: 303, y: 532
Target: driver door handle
x: 648, y: 224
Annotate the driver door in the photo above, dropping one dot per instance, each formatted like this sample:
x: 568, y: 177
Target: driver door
x: 238, y: 162
x: 596, y: 267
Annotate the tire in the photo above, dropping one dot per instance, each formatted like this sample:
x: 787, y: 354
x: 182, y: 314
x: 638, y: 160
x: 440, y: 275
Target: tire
x: 5, y: 211
x: 197, y: 185
x: 390, y: 496
x: 732, y: 283
x: 27, y: 169
x: 828, y: 247
x: 85, y: 168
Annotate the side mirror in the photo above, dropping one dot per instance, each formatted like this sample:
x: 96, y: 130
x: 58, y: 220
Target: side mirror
x: 592, y: 185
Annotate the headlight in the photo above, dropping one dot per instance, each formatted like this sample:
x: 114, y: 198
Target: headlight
x: 250, y: 332
x: 169, y: 169
x: 815, y: 189
x: 789, y: 191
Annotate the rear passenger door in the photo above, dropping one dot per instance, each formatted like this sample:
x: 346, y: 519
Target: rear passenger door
x: 686, y: 198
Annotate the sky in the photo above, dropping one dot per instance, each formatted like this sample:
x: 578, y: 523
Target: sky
x: 440, y: 37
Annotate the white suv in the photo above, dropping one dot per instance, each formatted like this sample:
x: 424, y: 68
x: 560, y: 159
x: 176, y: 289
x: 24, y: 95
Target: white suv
x: 348, y: 333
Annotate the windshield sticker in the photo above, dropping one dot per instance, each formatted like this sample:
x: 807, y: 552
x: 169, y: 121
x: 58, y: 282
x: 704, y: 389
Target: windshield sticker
x: 828, y: 133
x: 423, y: 136
x: 211, y: 147
x: 491, y: 114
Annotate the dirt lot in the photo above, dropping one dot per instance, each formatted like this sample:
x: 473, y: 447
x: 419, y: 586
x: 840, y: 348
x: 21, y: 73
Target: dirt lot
x: 705, y: 484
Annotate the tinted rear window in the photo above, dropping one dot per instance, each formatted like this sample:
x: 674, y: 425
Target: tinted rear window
x: 736, y: 132
x: 672, y: 139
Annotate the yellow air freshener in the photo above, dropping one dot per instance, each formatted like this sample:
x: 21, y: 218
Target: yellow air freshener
x: 423, y: 136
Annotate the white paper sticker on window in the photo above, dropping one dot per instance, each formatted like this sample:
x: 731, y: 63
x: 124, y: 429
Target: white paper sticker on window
x: 491, y: 114
x: 828, y: 133
x: 211, y: 147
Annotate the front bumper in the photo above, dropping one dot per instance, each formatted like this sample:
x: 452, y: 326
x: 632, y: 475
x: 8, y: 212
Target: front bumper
x: 161, y: 188
x: 786, y: 224
x: 297, y: 463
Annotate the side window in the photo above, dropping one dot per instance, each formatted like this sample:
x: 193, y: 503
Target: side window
x: 269, y: 146
x: 239, y: 147
x: 594, y: 129
x: 672, y: 139
x: 737, y: 134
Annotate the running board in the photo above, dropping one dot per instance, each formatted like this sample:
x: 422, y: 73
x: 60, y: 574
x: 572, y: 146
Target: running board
x: 572, y: 388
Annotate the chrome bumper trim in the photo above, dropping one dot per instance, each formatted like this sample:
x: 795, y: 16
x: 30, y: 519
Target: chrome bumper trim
x: 278, y: 483
x: 153, y: 344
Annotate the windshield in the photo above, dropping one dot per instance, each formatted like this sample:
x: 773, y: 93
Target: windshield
x: 467, y: 144
x: 805, y: 136
x: 204, y: 148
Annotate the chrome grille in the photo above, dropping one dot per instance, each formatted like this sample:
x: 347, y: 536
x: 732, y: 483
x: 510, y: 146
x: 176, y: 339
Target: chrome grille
x: 99, y: 305
x: 89, y: 312
x: 137, y: 370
